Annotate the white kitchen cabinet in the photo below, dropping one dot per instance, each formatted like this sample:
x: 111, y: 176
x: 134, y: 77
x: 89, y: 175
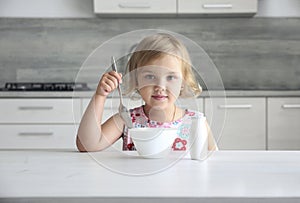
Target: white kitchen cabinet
x: 135, y: 7
x: 37, y: 136
x: 247, y: 7
x: 244, y: 124
x: 40, y: 110
x: 283, y: 123
x: 39, y: 123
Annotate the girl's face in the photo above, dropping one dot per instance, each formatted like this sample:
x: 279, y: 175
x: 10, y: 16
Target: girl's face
x: 159, y: 81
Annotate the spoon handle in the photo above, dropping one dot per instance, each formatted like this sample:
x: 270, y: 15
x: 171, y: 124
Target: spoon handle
x: 114, y: 68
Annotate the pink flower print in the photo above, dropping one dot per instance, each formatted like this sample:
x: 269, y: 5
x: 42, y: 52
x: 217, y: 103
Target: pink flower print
x: 179, y: 144
x: 130, y: 146
x: 185, y: 132
x: 191, y: 113
x: 160, y: 123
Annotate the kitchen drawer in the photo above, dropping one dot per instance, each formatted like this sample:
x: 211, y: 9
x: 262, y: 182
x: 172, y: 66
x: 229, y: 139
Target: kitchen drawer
x: 135, y: 7
x: 283, y: 123
x: 40, y: 110
x: 217, y: 6
x: 38, y: 136
x: 112, y: 105
x: 245, y: 122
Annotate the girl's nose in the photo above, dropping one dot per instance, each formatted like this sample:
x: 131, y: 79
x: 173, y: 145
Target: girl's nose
x: 159, y: 88
x: 160, y: 85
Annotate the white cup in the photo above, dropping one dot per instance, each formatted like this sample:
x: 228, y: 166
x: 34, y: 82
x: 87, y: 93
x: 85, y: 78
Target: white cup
x: 198, y: 139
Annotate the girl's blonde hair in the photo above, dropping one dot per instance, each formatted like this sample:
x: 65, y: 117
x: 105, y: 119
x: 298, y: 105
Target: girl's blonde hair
x: 156, y: 46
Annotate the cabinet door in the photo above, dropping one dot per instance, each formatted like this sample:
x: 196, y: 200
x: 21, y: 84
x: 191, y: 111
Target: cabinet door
x: 244, y: 124
x: 40, y: 111
x: 217, y: 6
x: 283, y: 123
x: 38, y: 136
x: 135, y: 7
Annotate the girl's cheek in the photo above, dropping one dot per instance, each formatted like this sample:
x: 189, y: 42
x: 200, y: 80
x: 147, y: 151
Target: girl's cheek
x: 175, y: 87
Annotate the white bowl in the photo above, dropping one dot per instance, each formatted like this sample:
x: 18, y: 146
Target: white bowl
x: 153, y: 142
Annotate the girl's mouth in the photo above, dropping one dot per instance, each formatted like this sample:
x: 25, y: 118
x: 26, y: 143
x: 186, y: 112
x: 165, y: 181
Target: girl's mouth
x: 159, y: 97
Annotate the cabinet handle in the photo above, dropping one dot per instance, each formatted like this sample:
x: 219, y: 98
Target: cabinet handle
x: 291, y: 106
x: 214, y: 6
x: 35, y: 133
x: 134, y: 5
x: 26, y: 108
x: 236, y: 106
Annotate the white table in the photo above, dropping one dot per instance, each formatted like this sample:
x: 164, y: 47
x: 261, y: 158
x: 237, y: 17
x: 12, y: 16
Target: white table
x: 227, y: 176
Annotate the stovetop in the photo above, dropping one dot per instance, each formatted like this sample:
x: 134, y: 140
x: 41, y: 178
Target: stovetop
x: 57, y: 86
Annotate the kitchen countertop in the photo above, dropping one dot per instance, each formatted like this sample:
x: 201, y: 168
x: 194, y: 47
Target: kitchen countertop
x: 88, y: 94
x: 226, y: 176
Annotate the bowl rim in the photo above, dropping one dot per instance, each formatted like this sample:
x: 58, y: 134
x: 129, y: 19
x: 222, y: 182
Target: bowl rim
x: 159, y: 131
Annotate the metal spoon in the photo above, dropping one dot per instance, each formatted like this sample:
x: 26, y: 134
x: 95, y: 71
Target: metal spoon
x: 123, y: 111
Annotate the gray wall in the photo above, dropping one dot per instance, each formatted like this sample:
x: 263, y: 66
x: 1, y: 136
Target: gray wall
x: 250, y: 53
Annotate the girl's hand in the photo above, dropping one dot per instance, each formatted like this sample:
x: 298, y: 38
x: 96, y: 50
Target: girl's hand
x: 108, y: 83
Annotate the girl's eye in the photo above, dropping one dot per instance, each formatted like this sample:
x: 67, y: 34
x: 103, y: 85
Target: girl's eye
x: 171, y: 77
x: 150, y: 77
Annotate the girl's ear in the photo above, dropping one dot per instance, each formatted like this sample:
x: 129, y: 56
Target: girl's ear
x: 181, y: 90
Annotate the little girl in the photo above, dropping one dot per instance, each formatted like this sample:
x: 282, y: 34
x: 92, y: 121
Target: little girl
x: 160, y: 71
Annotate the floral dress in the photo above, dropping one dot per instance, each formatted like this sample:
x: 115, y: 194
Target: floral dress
x: 140, y: 120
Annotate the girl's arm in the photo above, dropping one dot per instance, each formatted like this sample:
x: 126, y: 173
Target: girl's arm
x: 92, y: 136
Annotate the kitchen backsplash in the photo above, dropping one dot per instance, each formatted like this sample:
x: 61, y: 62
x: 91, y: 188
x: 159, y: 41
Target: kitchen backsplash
x: 250, y: 53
